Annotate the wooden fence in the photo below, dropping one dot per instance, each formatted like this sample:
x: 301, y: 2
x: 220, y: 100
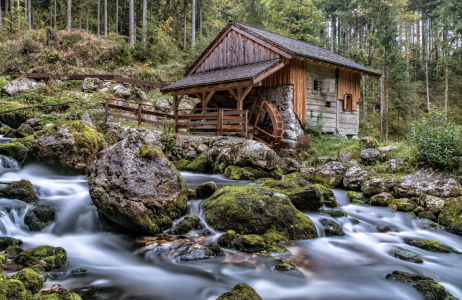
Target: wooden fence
x: 116, y: 78
x: 198, y: 119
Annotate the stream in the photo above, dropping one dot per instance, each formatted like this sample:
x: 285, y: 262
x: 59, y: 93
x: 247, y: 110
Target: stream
x: 350, y: 267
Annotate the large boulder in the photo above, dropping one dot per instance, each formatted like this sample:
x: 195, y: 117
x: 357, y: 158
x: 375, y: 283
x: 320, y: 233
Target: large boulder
x: 21, y: 190
x: 91, y: 84
x: 39, y: 217
x: 6, y: 242
x: 19, y: 85
x: 121, y: 91
x: 14, y: 149
x: 370, y: 156
x: 331, y: 228
x: 31, y: 280
x: 407, y: 255
x: 429, y: 183
x: 354, y: 178
x: 382, y: 199
x: 243, y: 173
x: 302, y: 194
x: 71, y: 144
x: 138, y: 94
x: 256, y: 210
x: 428, y: 288
x: 54, y: 257
x: 373, y: 186
x: 369, y: 142
x: 330, y: 174
x: 430, y: 245
x: 451, y: 216
x: 56, y: 293
x: 205, y: 190
x: 13, y: 289
x: 240, y: 291
x: 134, y: 185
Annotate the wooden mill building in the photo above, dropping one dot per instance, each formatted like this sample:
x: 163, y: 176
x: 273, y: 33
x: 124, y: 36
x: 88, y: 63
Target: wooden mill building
x: 244, y: 64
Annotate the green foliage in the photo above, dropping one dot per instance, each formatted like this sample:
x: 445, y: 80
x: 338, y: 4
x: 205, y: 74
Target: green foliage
x: 315, y: 127
x: 437, y: 141
x: 122, y: 54
x: 168, y: 138
x: 4, y: 80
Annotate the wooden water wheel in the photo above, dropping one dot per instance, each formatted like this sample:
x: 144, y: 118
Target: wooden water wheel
x: 266, y: 124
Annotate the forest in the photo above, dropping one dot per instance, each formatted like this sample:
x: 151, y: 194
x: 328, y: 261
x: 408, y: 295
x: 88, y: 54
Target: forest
x: 415, y: 44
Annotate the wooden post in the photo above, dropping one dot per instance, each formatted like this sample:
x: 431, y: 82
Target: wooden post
x: 175, y: 112
x: 220, y: 122
x: 139, y: 115
x: 246, y: 121
x: 106, y: 111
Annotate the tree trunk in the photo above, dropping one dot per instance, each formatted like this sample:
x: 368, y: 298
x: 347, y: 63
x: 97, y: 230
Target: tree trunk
x: 80, y: 15
x: 426, y: 84
x: 11, y: 13
x: 145, y: 23
x: 184, y: 30
x: 364, y: 105
x: 98, y: 18
x: 200, y: 23
x: 373, y: 99
x: 55, y: 13
x: 193, y: 23
x: 25, y: 10
x: 131, y: 16
x: 334, y: 33
x: 69, y: 14
x: 381, y: 109
x: 51, y: 16
x: 87, y: 16
x: 1, y: 20
x: 117, y: 17
x: 446, y: 91
x: 105, y: 17
x: 29, y: 14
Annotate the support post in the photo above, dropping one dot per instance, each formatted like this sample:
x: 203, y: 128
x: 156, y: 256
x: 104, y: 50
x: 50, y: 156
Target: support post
x: 246, y: 121
x: 220, y: 123
x: 175, y: 112
x: 139, y: 115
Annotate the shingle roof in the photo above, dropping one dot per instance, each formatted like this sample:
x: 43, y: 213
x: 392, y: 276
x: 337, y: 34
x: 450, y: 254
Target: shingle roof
x: 238, y: 73
x: 303, y: 48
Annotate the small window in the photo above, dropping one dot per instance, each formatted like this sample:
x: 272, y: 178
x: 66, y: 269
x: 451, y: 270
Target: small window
x: 327, y: 104
x: 316, y: 85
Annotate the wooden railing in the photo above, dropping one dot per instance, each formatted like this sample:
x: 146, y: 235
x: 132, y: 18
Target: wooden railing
x: 116, y: 78
x: 197, y: 119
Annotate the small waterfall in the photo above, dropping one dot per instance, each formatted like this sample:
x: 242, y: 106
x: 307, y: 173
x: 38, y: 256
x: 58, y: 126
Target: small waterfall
x: 7, y: 162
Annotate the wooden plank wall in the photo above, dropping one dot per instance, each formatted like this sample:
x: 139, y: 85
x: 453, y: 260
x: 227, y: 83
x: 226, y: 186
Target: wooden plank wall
x: 349, y: 83
x: 235, y: 50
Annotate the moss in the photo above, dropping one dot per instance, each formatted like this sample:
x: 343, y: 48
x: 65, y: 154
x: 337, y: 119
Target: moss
x: 55, y: 258
x: 215, y: 248
x: 27, y: 141
x: 226, y: 240
x: 21, y: 190
x: 302, y: 194
x: 358, y: 201
x: 427, y: 287
x: 13, y: 250
x: 335, y: 213
x: 14, y: 149
x: 250, y: 243
x: 5, y: 242
x: 451, y: 216
x: 151, y: 152
x: 352, y: 196
x: 246, y: 173
x: 285, y: 266
x: 276, y: 173
x: 327, y: 195
x: 182, y: 164
x: 2, y: 259
x: 192, y: 194
x: 200, y: 165
x: 39, y: 217
x: 37, y: 268
x: 31, y: 280
x: 431, y: 245
x: 383, y: 199
x: 4, y: 277
x: 435, y: 210
x: 61, y: 294
x: 240, y: 291
x: 206, y: 189
x: 405, y: 205
x: 331, y: 228
x: 255, y: 210
x: 269, y: 255
x: 427, y: 215
x: 13, y: 290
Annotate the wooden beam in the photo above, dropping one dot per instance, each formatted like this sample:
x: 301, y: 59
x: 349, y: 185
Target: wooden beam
x: 233, y: 94
x: 218, y: 87
x: 207, y: 99
x: 268, y: 73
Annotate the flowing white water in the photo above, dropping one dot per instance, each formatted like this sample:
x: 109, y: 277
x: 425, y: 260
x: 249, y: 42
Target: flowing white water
x: 349, y: 267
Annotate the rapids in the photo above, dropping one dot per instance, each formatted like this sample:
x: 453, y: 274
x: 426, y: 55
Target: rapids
x: 350, y: 267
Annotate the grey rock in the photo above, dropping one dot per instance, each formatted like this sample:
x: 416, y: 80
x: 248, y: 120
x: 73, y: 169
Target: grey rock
x: 393, y: 165
x: 354, y: 178
x: 138, y: 94
x: 330, y: 174
x: 19, y: 85
x: 407, y: 255
x: 346, y: 156
x: 324, y: 160
x: 331, y: 228
x: 430, y: 183
x: 206, y: 189
x: 121, y: 91
x: 371, y: 156
x: 39, y: 217
x: 373, y: 186
x: 368, y: 142
x: 91, y: 84
x: 202, y: 148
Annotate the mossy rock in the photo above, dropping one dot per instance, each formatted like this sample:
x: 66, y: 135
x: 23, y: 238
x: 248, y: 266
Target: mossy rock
x: 55, y: 258
x: 427, y: 215
x: 4, y: 130
x: 431, y: 245
x: 407, y: 255
x: 14, y: 149
x: 335, y: 213
x: 5, y: 242
x: 428, y: 288
x: 13, y: 250
x: 353, y: 196
x: 227, y: 238
x: 327, y: 195
x: 250, y: 243
x: 21, y: 190
x: 276, y: 173
x: 246, y: 173
x: 200, y: 165
x: 31, y: 280
x: 206, y: 189
x: 186, y: 225
x: 192, y: 194
x: 255, y: 210
x: 417, y: 210
x: 382, y: 199
x: 27, y: 141
x: 151, y: 152
x: 2, y: 259
x: 302, y: 194
x: 182, y: 164
x: 435, y: 210
x: 12, y: 289
x: 451, y: 216
x: 404, y: 205
x: 39, y: 217
x: 24, y: 130
x: 285, y: 266
x: 240, y: 291
x: 331, y: 228
x: 61, y: 294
